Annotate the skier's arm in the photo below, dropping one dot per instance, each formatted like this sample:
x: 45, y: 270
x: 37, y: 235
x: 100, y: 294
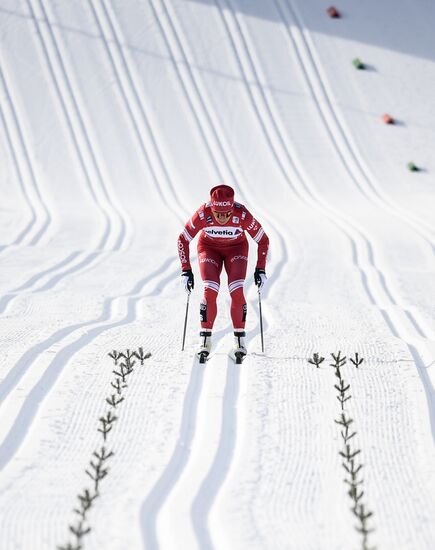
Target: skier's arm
x: 191, y: 228
x: 253, y: 227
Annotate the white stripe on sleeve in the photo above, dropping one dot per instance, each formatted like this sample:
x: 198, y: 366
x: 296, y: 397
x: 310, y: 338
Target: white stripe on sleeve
x: 258, y: 236
x: 187, y: 236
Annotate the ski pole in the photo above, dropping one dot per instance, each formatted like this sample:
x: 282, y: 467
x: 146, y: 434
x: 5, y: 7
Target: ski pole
x: 185, y: 320
x: 261, y: 321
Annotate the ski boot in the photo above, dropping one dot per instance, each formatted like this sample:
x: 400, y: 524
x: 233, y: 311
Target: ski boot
x: 204, y: 350
x: 239, y: 349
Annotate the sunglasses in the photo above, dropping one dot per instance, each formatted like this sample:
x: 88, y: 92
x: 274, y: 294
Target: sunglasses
x: 223, y: 214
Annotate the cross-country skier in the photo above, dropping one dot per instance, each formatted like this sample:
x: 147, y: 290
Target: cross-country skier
x: 222, y: 242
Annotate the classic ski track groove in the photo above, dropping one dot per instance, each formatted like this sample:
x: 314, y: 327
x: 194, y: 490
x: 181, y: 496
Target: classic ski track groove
x: 427, y: 383
x: 75, y: 123
x: 137, y: 110
x: 268, y: 103
x: 288, y: 164
x: 338, y: 129
x: 107, y: 194
x: 83, y: 334
x: 340, y: 138
x: 216, y: 475
x: 142, y: 126
x: 29, y: 285
x: 403, y: 321
x: 205, y: 119
x: 148, y: 532
x: 218, y: 471
x: 73, y: 262
x: 152, y: 504
x: 390, y: 440
x: 203, y: 532
x: 9, y: 296
x: 399, y: 327
x: 26, y: 413
x: 23, y: 421
x: 11, y: 380
x: 31, y: 234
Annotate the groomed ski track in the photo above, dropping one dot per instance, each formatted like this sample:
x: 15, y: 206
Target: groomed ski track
x: 116, y: 120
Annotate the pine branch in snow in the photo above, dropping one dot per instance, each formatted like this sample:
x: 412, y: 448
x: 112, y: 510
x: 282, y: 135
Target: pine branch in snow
x: 124, y: 371
x: 342, y: 389
x: 114, y: 401
x: 115, y: 355
x: 141, y: 356
x: 338, y: 360
x: 118, y: 386
x: 106, y: 422
x: 79, y: 530
x: 97, y: 474
x: 86, y: 499
x: 128, y: 366
x: 102, y: 456
x: 349, y: 454
x: 344, y: 421
x: 316, y: 360
x: 353, y: 491
x: 97, y: 469
x: 357, y: 361
x: 128, y: 355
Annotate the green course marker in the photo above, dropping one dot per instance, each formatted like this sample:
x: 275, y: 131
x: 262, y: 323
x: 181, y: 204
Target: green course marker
x: 357, y: 63
x: 412, y: 167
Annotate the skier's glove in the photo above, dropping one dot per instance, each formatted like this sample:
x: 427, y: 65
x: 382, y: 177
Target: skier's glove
x: 260, y: 278
x: 187, y: 280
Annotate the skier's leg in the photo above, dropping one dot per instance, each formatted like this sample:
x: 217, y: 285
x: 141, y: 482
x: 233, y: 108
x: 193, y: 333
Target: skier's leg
x: 236, y: 263
x: 210, y: 266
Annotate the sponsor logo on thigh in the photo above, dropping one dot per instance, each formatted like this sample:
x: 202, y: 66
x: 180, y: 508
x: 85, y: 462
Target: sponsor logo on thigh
x: 204, y: 259
x: 239, y: 257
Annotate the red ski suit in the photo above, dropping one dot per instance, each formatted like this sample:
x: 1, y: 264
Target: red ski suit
x: 220, y: 245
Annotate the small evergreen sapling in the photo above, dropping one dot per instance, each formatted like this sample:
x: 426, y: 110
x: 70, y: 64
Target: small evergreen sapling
x: 114, y: 401
x: 98, y: 470
x: 86, y: 500
x: 357, y: 361
x: 316, y: 360
x: 141, y: 356
x: 118, y: 385
x: 107, y: 422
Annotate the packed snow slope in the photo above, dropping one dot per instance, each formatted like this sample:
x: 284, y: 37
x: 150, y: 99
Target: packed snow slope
x: 116, y: 119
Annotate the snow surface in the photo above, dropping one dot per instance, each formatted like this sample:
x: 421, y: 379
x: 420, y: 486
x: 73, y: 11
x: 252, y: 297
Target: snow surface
x: 116, y: 119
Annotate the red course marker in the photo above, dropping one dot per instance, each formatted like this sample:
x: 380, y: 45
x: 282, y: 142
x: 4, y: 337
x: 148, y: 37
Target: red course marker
x: 333, y: 12
x: 388, y: 119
